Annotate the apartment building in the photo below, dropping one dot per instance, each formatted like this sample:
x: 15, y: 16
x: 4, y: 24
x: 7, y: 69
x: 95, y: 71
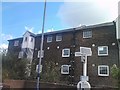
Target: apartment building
x: 59, y: 53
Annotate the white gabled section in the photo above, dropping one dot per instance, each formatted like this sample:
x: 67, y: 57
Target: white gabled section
x: 28, y: 40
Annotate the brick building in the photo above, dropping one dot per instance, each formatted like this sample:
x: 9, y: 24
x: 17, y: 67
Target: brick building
x: 59, y: 63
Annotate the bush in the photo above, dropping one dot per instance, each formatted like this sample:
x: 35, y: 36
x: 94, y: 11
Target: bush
x: 116, y: 74
x: 13, y: 68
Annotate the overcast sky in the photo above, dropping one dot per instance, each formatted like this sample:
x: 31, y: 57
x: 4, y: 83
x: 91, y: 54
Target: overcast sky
x: 87, y: 13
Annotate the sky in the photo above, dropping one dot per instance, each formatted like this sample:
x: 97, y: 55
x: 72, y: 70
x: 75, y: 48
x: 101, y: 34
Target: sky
x: 17, y: 17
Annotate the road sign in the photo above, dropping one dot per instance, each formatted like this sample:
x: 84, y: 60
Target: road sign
x: 78, y: 54
x: 86, y: 51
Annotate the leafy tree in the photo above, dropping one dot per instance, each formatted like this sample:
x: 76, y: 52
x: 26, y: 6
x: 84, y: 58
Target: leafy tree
x: 13, y: 68
x: 51, y: 73
x: 116, y: 74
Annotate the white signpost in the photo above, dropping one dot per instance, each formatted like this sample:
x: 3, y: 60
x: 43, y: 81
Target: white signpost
x: 83, y: 84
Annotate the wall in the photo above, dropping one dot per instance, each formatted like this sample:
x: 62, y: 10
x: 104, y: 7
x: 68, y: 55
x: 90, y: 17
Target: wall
x: 22, y: 84
x: 101, y: 36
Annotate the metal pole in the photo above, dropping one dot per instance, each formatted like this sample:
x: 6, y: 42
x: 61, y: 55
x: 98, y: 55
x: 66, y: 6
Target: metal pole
x: 85, y: 66
x: 41, y: 48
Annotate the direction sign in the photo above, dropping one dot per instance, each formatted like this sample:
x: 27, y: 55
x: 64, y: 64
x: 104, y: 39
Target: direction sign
x: 78, y: 54
x: 86, y: 51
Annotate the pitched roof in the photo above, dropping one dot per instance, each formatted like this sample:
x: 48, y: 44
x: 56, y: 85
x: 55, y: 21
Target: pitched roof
x: 16, y: 39
x: 79, y: 28
x: 70, y: 29
x: 32, y: 34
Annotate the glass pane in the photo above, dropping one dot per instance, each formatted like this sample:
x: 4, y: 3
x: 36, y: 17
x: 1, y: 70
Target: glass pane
x: 103, y: 70
x: 103, y: 50
x: 66, y: 52
x: 65, y: 68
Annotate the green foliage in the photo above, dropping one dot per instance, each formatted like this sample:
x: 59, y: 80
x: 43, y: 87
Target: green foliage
x: 116, y: 74
x: 13, y: 68
x: 33, y: 74
x: 51, y: 73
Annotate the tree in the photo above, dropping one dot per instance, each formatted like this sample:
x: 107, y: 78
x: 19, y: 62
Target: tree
x: 51, y: 73
x: 13, y: 68
x: 116, y: 74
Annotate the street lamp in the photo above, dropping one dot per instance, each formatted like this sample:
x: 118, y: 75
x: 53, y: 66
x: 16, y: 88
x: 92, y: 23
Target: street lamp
x: 41, y: 48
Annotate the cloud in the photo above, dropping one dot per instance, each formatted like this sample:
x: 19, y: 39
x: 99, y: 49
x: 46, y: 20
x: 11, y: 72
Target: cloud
x: 29, y: 29
x: 40, y: 31
x: 4, y: 42
x: 3, y: 46
x: 86, y: 13
x: 50, y: 30
x: 6, y: 37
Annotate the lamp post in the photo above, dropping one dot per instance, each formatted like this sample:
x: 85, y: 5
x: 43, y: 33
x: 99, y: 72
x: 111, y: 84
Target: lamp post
x: 41, y: 48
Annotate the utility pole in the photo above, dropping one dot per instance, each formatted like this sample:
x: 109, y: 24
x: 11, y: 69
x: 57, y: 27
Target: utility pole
x: 41, y: 48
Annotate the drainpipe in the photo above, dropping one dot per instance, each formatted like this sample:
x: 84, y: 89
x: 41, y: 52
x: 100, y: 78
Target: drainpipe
x: 119, y: 53
x: 118, y: 42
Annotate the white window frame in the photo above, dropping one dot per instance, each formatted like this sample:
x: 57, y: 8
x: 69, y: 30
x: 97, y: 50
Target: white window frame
x: 62, y: 67
x: 42, y: 54
x: 88, y: 32
x: 103, y: 66
x: 49, y: 39
x: 64, y: 52
x: 16, y: 43
x: 58, y: 37
x: 100, y: 47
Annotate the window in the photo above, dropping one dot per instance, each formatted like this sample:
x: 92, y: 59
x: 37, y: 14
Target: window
x: 49, y: 39
x: 87, y: 34
x: 39, y: 54
x: 58, y: 37
x: 25, y: 39
x: 16, y: 43
x: 65, y: 52
x: 103, y: 50
x: 65, y: 69
x: 31, y: 39
x: 103, y: 70
x: 20, y: 54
